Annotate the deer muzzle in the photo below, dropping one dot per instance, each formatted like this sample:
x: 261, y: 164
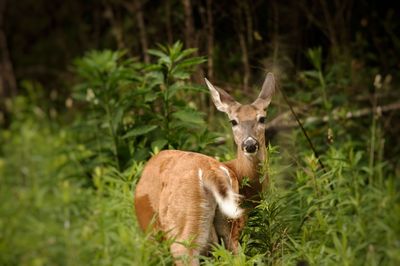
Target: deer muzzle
x: 250, y: 145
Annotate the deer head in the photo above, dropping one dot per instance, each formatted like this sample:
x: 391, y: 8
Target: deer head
x: 248, y: 120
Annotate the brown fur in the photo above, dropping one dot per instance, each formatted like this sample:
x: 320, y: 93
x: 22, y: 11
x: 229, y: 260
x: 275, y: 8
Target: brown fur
x: 174, y: 186
x: 184, y: 210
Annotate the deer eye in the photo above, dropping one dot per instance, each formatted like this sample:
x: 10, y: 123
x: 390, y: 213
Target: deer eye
x: 234, y: 122
x: 261, y: 120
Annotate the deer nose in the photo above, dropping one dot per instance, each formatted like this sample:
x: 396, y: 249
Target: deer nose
x: 250, y: 145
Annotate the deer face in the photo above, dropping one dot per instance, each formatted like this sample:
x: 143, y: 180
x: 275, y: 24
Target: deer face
x: 248, y: 126
x: 248, y: 121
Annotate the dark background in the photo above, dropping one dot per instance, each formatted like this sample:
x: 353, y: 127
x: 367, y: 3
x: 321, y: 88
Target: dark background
x: 42, y: 37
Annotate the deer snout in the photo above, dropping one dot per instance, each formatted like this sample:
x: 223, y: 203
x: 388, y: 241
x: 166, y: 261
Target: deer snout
x: 250, y: 145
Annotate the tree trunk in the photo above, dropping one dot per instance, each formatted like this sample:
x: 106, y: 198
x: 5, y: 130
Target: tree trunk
x: 242, y: 27
x: 116, y: 28
x: 245, y: 61
x: 168, y: 23
x: 275, y: 32
x: 210, y: 41
x: 249, y: 22
x: 138, y: 6
x: 333, y: 19
x: 8, y: 84
x: 189, y: 27
x: 330, y: 25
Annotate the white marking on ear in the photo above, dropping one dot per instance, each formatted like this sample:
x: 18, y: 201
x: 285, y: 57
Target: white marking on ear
x: 222, y: 100
x: 226, y: 172
x: 216, y: 97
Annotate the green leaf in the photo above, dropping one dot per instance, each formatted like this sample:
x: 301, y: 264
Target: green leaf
x: 156, y: 53
x: 178, y: 86
x: 180, y: 74
x: 150, y: 97
x: 189, y: 116
x: 311, y: 74
x: 191, y: 62
x: 140, y: 130
x: 159, y: 144
x: 117, y: 118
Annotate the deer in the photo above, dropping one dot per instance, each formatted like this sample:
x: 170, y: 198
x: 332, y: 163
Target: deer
x: 194, y: 197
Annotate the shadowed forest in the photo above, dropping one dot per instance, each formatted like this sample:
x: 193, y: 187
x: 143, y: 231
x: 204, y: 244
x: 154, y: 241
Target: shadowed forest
x: 90, y: 90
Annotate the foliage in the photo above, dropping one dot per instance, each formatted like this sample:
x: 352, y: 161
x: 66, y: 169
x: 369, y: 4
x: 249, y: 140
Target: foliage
x: 133, y: 110
x: 333, y: 218
x: 67, y: 187
x: 49, y: 217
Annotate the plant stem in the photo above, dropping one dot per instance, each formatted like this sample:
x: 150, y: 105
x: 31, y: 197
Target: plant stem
x: 372, y: 147
x: 114, y: 136
x: 323, y: 87
x: 166, y: 104
x: 373, y: 138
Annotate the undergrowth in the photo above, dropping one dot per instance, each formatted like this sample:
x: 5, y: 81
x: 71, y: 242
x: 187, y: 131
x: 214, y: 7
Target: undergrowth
x: 67, y: 187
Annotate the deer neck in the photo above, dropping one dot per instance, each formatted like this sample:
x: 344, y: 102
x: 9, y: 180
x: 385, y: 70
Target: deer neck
x: 248, y: 167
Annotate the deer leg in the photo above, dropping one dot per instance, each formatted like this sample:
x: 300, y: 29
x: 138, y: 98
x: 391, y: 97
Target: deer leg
x: 189, y: 244
x: 228, y: 230
x: 184, y: 255
x: 236, y: 227
x: 223, y: 230
x: 212, y: 239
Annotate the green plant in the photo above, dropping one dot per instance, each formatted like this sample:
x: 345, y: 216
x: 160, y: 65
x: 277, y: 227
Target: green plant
x: 67, y: 187
x: 134, y: 109
x: 50, y: 216
x: 353, y: 224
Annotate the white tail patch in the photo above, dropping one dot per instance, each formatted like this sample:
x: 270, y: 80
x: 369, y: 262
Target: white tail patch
x: 229, y: 205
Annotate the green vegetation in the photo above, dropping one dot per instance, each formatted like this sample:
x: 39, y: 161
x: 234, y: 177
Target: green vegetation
x: 67, y: 180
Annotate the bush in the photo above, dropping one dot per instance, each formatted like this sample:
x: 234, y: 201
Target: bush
x: 134, y: 110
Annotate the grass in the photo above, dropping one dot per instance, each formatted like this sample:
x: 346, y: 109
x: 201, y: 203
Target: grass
x: 50, y: 216
x: 55, y: 211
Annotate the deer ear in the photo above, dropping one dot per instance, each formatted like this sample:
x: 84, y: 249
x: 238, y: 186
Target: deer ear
x: 268, y: 89
x: 222, y: 100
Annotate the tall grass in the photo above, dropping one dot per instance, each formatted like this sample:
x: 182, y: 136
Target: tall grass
x: 67, y: 195
x: 50, y: 217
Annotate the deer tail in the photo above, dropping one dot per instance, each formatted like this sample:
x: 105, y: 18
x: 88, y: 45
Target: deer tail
x: 219, y: 182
